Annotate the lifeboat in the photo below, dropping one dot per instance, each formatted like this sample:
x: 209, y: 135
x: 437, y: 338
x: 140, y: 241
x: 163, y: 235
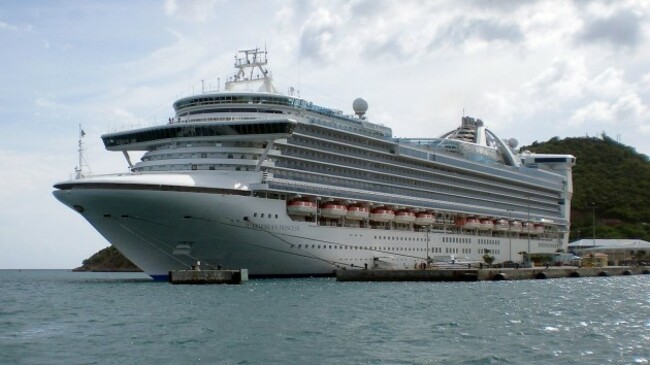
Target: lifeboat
x: 357, y: 212
x: 486, y: 224
x: 425, y: 219
x: 382, y: 215
x: 301, y: 207
x: 472, y: 223
x: 537, y: 229
x: 333, y: 210
x: 502, y: 225
x: 515, y: 226
x: 460, y: 222
x: 404, y: 217
x: 527, y: 227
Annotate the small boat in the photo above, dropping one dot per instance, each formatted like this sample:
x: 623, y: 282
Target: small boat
x: 538, y: 229
x: 404, y: 217
x: 425, y: 219
x: 333, y: 210
x: 357, y: 212
x: 486, y: 224
x: 515, y: 226
x: 472, y: 223
x: 382, y: 215
x: 502, y: 225
x: 301, y: 207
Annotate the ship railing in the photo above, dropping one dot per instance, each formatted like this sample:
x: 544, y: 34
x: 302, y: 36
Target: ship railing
x: 185, y: 120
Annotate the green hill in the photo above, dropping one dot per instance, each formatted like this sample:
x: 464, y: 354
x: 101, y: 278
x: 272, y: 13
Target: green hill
x: 107, y: 259
x: 611, y: 182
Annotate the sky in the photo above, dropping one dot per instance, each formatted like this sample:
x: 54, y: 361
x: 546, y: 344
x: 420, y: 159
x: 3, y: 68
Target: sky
x: 531, y: 70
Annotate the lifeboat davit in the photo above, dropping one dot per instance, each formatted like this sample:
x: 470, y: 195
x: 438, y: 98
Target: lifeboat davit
x: 404, y: 217
x: 333, y: 210
x: 472, y: 223
x: 382, y: 215
x: 301, y: 207
x: 515, y: 226
x: 486, y: 224
x: 357, y: 212
x: 502, y: 225
x: 425, y: 219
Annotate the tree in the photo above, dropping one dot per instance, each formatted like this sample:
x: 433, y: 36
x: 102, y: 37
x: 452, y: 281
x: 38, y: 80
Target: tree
x: 489, y: 259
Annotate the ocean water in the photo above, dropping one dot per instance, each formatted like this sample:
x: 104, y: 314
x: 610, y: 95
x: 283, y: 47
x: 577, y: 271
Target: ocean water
x: 61, y: 317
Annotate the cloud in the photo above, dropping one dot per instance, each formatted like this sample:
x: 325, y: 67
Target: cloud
x: 16, y: 28
x: 191, y: 10
x: 622, y: 28
x: 463, y: 30
x: 318, y: 39
x: 627, y: 110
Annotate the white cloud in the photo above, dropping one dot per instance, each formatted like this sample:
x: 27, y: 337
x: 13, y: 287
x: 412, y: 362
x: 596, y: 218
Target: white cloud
x: 16, y: 28
x: 190, y: 10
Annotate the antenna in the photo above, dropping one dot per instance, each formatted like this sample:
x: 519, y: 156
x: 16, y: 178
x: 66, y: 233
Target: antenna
x: 79, y: 174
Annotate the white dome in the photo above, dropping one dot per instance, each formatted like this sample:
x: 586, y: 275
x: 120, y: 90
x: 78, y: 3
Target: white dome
x: 360, y: 106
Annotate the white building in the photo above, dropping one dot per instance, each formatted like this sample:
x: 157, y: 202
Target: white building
x: 619, y: 251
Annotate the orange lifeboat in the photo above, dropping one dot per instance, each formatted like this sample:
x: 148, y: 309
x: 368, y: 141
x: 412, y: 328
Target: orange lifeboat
x: 486, y: 224
x: 404, y: 217
x: 425, y: 219
x: 515, y: 226
x: 382, y: 215
x: 537, y: 229
x: 472, y: 223
x: 333, y: 210
x: 301, y: 207
x: 502, y: 225
x: 357, y: 212
x: 460, y: 221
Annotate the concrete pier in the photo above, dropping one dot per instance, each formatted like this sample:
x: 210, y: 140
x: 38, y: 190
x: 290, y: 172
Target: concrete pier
x: 208, y: 276
x: 487, y: 274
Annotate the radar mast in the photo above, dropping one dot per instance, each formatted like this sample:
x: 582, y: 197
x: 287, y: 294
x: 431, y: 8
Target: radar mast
x: 251, y: 72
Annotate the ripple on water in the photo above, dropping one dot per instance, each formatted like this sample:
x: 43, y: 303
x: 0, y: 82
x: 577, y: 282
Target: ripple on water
x: 68, y: 318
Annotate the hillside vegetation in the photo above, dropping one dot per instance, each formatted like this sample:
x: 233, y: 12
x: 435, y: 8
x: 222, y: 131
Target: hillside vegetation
x: 611, y: 183
x: 108, y: 259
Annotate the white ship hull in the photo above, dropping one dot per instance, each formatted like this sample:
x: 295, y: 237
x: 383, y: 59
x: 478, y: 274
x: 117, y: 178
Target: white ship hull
x: 161, y: 230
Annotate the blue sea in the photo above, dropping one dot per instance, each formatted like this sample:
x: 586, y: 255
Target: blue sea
x: 62, y: 317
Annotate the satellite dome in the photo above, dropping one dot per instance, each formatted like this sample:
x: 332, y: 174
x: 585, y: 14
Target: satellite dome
x: 360, y: 107
x: 513, y: 143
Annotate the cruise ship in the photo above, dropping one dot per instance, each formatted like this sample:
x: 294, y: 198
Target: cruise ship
x: 248, y: 177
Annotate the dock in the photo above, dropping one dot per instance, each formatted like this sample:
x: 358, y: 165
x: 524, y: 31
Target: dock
x: 208, y: 276
x: 488, y: 274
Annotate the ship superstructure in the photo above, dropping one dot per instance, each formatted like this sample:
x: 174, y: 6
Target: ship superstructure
x: 251, y: 178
